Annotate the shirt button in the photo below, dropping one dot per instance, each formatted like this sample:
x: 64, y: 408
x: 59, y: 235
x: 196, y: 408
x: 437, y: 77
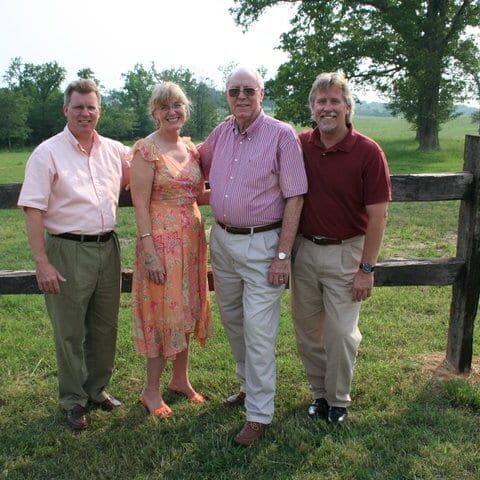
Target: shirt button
x: 235, y: 159
x: 231, y: 178
x: 226, y: 196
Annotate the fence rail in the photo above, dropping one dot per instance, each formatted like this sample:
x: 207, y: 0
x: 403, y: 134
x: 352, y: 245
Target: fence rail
x: 461, y: 271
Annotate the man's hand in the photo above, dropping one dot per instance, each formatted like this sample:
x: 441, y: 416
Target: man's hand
x: 279, y: 272
x: 48, y: 278
x: 362, y: 286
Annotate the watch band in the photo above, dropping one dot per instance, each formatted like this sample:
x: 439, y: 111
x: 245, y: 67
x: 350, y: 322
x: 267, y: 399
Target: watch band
x: 367, y: 267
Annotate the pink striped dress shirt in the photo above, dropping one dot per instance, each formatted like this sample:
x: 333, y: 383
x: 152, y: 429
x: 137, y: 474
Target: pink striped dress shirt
x: 251, y: 174
x: 78, y: 193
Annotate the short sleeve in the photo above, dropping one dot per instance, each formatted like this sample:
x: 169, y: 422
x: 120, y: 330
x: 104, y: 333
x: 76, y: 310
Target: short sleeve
x: 147, y: 150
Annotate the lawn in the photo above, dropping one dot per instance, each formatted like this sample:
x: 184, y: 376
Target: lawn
x: 403, y: 423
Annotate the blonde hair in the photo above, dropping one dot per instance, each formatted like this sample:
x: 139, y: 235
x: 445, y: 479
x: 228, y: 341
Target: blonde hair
x: 166, y: 92
x: 83, y: 86
x: 333, y: 79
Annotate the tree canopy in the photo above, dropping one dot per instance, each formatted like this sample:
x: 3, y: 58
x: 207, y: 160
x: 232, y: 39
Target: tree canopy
x: 31, y: 105
x: 418, y: 53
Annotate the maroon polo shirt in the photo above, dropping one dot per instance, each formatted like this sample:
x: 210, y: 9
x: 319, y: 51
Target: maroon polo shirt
x: 342, y: 180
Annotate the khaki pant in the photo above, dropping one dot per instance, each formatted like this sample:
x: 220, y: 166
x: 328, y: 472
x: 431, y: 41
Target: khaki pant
x: 325, y: 316
x: 250, y: 312
x: 84, y: 316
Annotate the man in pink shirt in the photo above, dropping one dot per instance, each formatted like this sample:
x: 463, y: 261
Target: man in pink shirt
x: 255, y: 168
x: 70, y: 198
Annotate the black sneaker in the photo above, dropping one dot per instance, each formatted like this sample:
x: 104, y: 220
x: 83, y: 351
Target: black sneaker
x: 318, y: 408
x: 337, y: 415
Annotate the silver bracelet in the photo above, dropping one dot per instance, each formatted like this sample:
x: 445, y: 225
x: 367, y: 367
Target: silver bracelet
x: 145, y: 235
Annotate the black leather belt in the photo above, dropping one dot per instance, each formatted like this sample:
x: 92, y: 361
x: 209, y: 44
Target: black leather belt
x: 100, y: 238
x: 250, y: 230
x: 318, y: 240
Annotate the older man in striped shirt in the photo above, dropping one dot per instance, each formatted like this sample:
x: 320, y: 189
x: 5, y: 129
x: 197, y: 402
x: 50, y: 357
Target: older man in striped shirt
x: 257, y: 177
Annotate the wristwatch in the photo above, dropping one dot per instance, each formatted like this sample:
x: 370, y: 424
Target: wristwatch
x: 283, y: 256
x: 367, y: 268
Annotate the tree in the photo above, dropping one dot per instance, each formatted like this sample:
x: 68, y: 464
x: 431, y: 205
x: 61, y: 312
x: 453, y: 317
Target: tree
x: 41, y: 84
x: 411, y: 50
x: 138, y: 85
x: 89, y: 74
x: 14, y: 113
x: 474, y: 86
x: 205, y: 107
x: 117, y: 120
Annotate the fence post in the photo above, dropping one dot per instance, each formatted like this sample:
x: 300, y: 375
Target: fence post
x: 466, y: 288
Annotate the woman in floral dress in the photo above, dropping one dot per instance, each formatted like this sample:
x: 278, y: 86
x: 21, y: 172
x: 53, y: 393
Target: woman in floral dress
x: 170, y: 290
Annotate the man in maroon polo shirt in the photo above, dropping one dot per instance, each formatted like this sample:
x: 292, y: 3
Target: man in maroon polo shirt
x: 341, y: 231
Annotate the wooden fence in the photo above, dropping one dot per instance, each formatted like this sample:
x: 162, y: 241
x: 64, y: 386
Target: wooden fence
x: 461, y: 271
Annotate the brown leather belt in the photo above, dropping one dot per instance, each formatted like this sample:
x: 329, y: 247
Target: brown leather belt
x: 319, y: 240
x: 249, y: 230
x: 100, y: 238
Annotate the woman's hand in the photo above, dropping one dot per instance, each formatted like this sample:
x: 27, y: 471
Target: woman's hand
x: 155, y: 268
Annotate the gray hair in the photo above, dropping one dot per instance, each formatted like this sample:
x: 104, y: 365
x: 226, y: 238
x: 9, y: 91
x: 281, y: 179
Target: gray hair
x: 250, y: 71
x: 333, y: 79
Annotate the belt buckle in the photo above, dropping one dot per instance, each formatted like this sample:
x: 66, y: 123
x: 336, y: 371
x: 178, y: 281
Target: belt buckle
x: 319, y: 239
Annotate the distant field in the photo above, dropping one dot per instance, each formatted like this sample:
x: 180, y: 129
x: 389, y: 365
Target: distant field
x: 392, y: 133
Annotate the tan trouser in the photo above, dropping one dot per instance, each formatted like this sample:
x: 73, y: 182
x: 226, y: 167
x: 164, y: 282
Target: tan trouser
x: 325, y: 316
x: 84, y: 316
x: 250, y: 312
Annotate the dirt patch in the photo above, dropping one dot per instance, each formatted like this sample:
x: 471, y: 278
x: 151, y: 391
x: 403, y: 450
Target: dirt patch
x: 436, y: 366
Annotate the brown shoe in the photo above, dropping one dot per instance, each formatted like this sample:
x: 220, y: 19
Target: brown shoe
x: 108, y: 404
x: 250, y: 433
x: 235, y: 400
x: 76, y: 417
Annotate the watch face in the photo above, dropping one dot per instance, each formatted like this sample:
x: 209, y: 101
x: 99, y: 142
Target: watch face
x: 282, y: 255
x: 367, y: 268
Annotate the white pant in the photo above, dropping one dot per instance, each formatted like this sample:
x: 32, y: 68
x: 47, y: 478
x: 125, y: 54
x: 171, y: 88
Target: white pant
x: 250, y: 311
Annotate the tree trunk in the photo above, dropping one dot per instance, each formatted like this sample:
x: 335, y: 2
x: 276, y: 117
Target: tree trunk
x: 428, y: 124
x: 428, y: 135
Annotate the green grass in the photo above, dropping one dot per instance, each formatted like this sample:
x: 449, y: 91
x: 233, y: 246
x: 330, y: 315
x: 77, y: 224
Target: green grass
x: 403, y: 424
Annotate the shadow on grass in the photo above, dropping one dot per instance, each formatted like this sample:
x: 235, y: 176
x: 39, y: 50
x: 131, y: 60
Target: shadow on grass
x: 399, y: 442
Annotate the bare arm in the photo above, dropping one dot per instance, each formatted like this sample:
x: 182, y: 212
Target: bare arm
x: 279, y: 269
x: 377, y: 220
x: 47, y: 275
x: 204, y: 198
x: 141, y: 178
x: 125, y: 173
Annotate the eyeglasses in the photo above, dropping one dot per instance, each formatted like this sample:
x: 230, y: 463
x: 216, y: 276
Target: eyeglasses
x: 248, y: 91
x: 174, y: 106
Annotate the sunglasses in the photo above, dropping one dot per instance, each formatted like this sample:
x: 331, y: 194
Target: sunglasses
x: 248, y: 91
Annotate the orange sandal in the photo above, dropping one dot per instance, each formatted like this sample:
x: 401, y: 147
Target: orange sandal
x: 197, y: 398
x: 163, y: 412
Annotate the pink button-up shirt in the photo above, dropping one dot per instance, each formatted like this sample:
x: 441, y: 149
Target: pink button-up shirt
x: 77, y: 192
x: 252, y: 174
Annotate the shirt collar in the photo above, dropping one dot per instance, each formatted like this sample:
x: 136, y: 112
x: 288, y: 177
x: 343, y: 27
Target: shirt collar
x: 252, y: 128
x: 344, y: 145
x: 75, y: 143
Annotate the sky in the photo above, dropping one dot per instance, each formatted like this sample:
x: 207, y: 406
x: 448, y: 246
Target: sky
x: 111, y: 36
